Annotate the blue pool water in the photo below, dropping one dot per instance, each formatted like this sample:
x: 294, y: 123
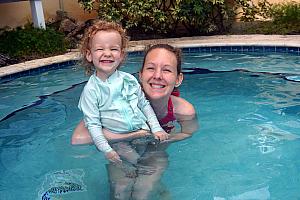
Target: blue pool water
x: 248, y: 146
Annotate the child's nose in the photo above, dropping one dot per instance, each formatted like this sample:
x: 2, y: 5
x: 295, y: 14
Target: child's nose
x: 107, y: 52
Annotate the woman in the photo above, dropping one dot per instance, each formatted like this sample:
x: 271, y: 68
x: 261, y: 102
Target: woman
x: 160, y: 74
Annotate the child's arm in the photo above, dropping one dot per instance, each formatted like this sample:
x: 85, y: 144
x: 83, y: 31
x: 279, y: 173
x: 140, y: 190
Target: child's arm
x: 81, y: 135
x: 146, y: 108
x: 88, y: 104
x: 113, y: 137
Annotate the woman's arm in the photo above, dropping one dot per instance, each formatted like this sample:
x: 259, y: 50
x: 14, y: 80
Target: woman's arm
x: 188, y: 128
x: 186, y: 117
x: 81, y: 135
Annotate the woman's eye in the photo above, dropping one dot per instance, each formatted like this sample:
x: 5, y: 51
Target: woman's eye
x: 167, y: 70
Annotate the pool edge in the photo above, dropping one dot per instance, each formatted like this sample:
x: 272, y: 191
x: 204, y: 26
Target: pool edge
x: 292, y: 41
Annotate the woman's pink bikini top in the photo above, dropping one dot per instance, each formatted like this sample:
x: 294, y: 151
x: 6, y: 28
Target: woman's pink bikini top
x: 167, y: 123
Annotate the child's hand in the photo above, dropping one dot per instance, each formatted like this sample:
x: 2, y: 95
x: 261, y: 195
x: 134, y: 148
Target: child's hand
x: 161, y: 135
x: 140, y: 133
x: 113, y: 157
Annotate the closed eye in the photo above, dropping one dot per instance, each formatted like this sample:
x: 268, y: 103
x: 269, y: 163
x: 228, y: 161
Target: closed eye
x: 149, y: 68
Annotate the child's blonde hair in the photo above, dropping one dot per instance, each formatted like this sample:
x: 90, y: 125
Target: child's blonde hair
x: 100, y: 25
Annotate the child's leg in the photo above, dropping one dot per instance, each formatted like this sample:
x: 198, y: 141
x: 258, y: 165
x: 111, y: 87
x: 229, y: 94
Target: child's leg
x: 126, y: 152
x: 120, y: 185
x: 128, y: 156
x: 150, y: 169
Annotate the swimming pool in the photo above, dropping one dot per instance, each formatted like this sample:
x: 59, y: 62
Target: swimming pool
x: 248, y: 105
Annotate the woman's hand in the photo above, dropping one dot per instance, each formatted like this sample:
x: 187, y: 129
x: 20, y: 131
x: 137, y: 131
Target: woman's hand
x: 113, y: 157
x: 161, y: 135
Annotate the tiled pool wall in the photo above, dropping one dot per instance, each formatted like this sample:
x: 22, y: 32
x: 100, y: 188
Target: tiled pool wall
x: 210, y: 49
x: 38, y: 70
x: 234, y: 49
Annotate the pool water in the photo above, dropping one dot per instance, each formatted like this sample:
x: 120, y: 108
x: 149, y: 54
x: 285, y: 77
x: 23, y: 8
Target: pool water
x: 248, y: 146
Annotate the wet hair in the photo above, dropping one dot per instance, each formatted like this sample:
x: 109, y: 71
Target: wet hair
x: 174, y: 50
x: 99, y: 25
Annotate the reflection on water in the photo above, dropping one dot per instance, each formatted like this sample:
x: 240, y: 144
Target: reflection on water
x: 246, y: 148
x: 261, y: 193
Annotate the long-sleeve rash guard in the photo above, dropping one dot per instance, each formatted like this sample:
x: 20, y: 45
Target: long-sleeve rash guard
x: 117, y: 104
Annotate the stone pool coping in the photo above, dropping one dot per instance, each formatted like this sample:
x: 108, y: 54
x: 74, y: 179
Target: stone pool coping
x: 184, y: 42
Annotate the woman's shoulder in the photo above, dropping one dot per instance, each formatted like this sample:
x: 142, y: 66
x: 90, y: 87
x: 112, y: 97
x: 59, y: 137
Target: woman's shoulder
x: 182, y: 107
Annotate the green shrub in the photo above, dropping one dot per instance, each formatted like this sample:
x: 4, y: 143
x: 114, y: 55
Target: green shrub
x: 164, y: 17
x: 282, y: 18
x: 287, y: 13
x: 29, y: 43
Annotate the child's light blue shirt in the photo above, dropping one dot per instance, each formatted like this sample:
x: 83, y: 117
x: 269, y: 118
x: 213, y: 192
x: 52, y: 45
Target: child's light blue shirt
x: 117, y: 104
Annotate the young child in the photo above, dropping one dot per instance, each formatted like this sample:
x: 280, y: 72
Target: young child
x: 113, y: 99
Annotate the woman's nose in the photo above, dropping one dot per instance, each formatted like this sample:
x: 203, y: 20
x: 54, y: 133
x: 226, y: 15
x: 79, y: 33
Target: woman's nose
x: 157, y: 74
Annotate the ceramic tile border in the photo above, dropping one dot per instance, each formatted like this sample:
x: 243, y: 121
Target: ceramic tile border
x: 245, y: 41
x: 200, y: 49
x: 244, y: 48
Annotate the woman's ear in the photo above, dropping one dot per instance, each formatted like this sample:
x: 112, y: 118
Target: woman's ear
x: 88, y: 56
x: 179, y: 80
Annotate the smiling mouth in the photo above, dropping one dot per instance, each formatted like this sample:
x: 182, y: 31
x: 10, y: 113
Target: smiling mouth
x: 106, y: 61
x: 156, y: 86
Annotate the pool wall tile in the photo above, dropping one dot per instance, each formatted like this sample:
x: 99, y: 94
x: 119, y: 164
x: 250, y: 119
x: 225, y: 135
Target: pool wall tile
x: 248, y: 48
x: 36, y: 71
x: 193, y: 50
x: 225, y: 48
x: 269, y: 49
x: 237, y: 49
x: 258, y: 49
x: 281, y: 49
x: 293, y: 50
x: 204, y: 49
x: 136, y: 53
x: 215, y: 49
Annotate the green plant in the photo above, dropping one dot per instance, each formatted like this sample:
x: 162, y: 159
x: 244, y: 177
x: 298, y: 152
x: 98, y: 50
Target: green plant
x: 163, y: 16
x: 249, y: 10
x: 132, y: 14
x: 28, y: 42
x: 194, y: 17
x: 283, y: 18
x: 287, y: 13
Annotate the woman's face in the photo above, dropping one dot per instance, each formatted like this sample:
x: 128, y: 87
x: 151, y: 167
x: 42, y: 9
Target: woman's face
x: 159, y: 74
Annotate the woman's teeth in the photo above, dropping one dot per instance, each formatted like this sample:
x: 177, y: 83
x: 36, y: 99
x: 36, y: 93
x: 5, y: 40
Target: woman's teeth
x: 157, y: 86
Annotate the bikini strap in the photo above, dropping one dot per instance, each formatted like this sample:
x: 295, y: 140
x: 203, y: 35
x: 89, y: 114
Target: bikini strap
x: 170, y: 115
x: 175, y: 92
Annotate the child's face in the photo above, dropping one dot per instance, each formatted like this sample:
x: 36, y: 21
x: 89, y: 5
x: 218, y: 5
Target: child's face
x: 105, y: 53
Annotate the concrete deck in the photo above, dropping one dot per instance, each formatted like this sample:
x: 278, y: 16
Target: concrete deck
x: 223, y: 40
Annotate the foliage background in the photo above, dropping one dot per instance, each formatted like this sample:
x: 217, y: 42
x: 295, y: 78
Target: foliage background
x: 155, y: 19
